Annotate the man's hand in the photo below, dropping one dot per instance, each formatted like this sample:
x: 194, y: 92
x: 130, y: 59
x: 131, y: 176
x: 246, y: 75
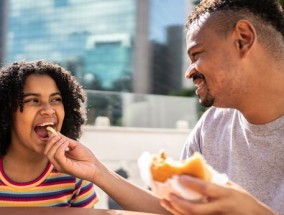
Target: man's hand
x: 230, y: 199
x: 78, y: 160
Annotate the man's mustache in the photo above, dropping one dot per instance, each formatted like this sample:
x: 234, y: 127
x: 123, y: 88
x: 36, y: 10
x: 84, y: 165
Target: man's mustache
x: 197, y: 76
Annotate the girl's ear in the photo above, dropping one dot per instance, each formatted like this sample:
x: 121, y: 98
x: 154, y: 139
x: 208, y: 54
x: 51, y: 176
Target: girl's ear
x: 245, y: 37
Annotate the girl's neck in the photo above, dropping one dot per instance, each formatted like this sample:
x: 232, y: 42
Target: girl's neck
x: 20, y: 168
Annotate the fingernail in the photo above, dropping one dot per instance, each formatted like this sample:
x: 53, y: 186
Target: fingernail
x: 163, y: 204
x: 67, y: 149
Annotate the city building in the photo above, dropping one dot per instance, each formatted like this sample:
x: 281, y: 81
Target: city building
x: 117, y: 45
x: 126, y: 46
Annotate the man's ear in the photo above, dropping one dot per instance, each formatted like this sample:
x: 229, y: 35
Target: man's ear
x: 245, y: 37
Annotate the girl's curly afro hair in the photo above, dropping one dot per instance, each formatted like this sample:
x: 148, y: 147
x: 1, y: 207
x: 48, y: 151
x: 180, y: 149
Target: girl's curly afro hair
x: 12, y: 81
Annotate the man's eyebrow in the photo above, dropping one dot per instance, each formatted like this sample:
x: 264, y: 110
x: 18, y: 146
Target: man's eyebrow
x: 194, y: 46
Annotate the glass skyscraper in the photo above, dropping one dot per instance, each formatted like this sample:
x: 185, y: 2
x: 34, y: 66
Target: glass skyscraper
x: 119, y: 45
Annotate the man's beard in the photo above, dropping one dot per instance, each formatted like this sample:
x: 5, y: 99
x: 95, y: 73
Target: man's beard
x: 208, y: 101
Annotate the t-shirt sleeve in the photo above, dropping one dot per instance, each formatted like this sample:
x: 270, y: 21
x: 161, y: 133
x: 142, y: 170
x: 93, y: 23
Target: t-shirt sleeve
x: 191, y: 145
x: 84, y: 195
x: 194, y: 141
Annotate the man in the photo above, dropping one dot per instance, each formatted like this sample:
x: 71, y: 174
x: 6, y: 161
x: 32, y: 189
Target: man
x: 237, y: 54
x: 236, y: 50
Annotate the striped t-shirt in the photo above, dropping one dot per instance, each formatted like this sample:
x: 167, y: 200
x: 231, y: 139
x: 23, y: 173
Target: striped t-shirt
x: 50, y: 189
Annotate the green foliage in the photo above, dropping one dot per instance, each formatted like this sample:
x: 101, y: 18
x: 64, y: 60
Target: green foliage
x: 109, y: 105
x: 190, y: 92
x: 184, y: 92
x: 196, y: 2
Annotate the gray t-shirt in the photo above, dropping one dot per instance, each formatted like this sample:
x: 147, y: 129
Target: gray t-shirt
x: 251, y: 155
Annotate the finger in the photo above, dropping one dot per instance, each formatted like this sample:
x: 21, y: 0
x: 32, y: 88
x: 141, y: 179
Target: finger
x: 235, y: 186
x: 183, y: 206
x: 198, y: 208
x: 53, y: 139
x: 56, y: 143
x: 60, y: 158
x: 167, y: 205
x: 57, y: 156
x: 203, y: 187
x: 72, y: 143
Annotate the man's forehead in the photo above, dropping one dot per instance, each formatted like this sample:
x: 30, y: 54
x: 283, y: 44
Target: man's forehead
x: 196, y: 30
x: 193, y: 35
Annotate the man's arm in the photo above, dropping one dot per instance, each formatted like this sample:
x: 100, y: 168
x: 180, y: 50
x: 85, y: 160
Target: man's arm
x: 81, y: 162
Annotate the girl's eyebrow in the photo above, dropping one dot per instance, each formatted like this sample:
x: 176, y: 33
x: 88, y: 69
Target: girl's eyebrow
x: 37, y: 94
x: 30, y: 94
x: 56, y: 94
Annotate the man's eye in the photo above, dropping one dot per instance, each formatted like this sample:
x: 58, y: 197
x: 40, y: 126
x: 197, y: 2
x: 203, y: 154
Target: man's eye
x: 195, y: 55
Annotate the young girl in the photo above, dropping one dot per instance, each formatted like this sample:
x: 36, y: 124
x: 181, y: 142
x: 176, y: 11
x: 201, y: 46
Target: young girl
x: 34, y: 95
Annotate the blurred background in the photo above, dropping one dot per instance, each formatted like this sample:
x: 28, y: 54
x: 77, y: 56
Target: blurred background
x: 128, y: 54
x: 130, y: 57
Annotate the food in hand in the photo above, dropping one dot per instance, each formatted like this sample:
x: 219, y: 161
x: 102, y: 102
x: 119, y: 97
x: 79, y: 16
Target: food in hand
x: 161, y: 175
x: 51, y: 130
x: 163, y: 168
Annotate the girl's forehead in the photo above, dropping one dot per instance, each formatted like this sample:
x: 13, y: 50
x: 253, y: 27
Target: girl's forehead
x: 35, y: 81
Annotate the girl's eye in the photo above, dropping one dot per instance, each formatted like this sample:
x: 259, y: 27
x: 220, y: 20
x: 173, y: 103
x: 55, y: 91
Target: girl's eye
x: 31, y: 101
x: 56, y: 100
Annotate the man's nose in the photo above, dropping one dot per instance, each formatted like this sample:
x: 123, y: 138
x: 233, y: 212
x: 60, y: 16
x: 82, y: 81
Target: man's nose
x: 47, y: 109
x: 190, y: 71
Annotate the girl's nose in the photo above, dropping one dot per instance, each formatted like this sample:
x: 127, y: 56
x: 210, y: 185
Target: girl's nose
x: 47, y: 109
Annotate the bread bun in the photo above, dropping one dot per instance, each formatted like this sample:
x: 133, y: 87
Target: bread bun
x: 163, y: 168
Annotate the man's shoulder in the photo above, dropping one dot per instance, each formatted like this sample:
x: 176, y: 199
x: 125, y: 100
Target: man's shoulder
x: 215, y: 113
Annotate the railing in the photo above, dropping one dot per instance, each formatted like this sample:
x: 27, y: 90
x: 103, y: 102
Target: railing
x: 121, y: 126
x: 139, y: 110
x: 120, y: 147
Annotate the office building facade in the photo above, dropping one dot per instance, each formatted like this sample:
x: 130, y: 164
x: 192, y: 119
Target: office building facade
x: 119, y: 45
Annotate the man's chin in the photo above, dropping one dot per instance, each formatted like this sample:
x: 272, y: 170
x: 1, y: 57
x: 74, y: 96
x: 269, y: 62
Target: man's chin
x: 206, y: 105
x: 208, y: 102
